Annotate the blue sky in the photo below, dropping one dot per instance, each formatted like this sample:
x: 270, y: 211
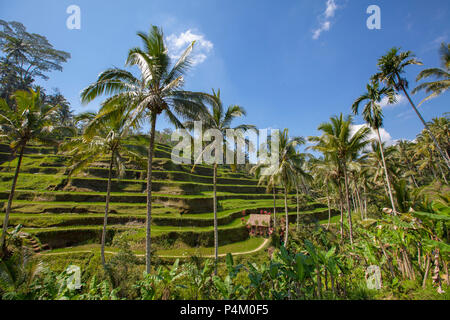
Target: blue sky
x: 267, y: 56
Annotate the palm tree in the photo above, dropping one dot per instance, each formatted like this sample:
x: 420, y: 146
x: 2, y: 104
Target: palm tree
x: 157, y: 91
x: 373, y: 115
x: 425, y: 153
x: 326, y: 173
x: 339, y: 144
x: 30, y: 121
x: 290, y: 162
x: 404, y: 155
x: 391, y: 66
x: 300, y: 179
x: 216, y: 118
x: 435, y: 88
x: 271, y: 181
x: 380, y: 161
x: 104, y: 136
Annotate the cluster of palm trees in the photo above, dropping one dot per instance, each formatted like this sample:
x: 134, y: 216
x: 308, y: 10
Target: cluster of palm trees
x: 31, y: 120
x: 350, y: 166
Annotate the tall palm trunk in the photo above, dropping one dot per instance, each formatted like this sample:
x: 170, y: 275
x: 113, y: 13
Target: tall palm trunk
x: 360, y: 204
x: 287, y: 217
x: 298, y: 211
x: 329, y: 209
x: 149, y: 196
x: 442, y: 173
x: 444, y: 155
x: 105, y: 219
x: 365, y: 201
x: 355, y: 208
x: 274, y: 207
x: 386, y: 173
x: 341, y: 205
x: 347, y: 195
x: 10, y: 199
x: 216, y: 237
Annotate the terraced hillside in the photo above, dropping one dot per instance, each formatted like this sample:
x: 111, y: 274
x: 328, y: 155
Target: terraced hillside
x: 62, y: 215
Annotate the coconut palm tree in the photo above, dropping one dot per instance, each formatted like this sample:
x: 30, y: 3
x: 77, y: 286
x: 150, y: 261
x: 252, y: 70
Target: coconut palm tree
x: 325, y: 171
x: 30, y: 121
x: 391, y: 67
x: 300, y: 179
x: 269, y: 180
x: 157, y: 90
x: 435, y: 88
x: 338, y: 143
x: 215, y: 117
x: 425, y: 154
x: 104, y: 136
x: 290, y: 163
x: 373, y: 115
x: 405, y: 155
x: 379, y: 168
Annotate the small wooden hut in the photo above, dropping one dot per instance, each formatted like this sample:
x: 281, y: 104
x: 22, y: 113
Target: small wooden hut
x: 259, y: 224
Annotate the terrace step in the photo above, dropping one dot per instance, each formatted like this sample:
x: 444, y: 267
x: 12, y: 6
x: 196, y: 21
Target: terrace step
x: 32, y: 242
x: 185, y: 204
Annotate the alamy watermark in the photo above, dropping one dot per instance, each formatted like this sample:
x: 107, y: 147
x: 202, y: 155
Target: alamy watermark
x: 238, y: 146
x: 74, y: 19
x: 373, y: 277
x: 374, y: 20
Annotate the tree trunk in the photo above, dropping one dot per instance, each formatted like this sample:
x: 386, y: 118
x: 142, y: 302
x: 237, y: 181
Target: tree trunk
x: 427, y: 270
x: 341, y: 205
x: 360, y: 204
x: 149, y: 196
x: 389, y: 262
x: 274, y: 207
x: 350, y: 225
x: 355, y: 208
x: 442, y: 173
x: 329, y: 210
x: 444, y: 156
x: 10, y: 200
x: 365, y: 201
x: 386, y: 173
x: 287, y: 217
x: 105, y: 219
x: 319, y: 283
x: 216, y: 237
x: 298, y: 211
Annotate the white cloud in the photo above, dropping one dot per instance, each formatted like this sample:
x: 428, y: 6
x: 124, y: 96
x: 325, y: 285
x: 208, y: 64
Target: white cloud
x: 401, y: 99
x: 325, y: 26
x: 331, y: 8
x: 178, y: 43
x: 325, y: 19
x: 385, y: 136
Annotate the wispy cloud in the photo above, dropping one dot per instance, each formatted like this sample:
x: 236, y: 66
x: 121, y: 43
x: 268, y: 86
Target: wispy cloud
x: 401, y: 100
x: 325, y: 19
x: 439, y: 40
x: 178, y: 43
x: 385, y: 136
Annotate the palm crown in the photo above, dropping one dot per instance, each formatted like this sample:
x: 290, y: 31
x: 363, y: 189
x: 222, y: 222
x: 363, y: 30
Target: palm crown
x: 31, y: 121
x: 372, y: 112
x: 392, y: 66
x: 435, y: 88
x: 158, y: 90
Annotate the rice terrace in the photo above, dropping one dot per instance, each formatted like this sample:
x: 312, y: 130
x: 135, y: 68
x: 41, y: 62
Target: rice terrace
x: 316, y: 168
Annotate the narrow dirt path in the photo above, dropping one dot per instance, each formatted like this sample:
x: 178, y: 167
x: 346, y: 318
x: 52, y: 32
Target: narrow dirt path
x: 266, y: 241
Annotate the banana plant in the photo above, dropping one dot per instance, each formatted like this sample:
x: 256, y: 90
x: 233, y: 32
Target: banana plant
x: 162, y: 284
x: 226, y: 287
